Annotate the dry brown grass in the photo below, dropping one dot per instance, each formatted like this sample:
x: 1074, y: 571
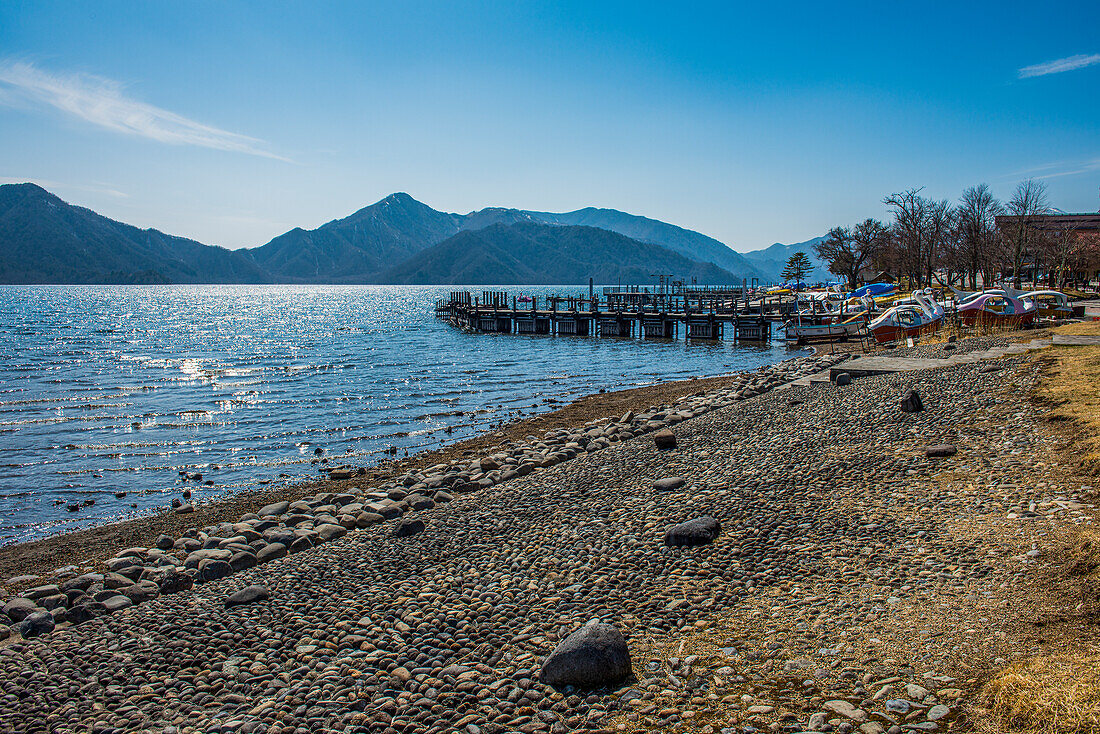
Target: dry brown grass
x: 1059, y: 692
x: 1048, y: 695
x: 1072, y: 391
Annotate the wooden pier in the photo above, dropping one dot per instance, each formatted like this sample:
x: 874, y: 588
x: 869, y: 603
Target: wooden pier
x: 695, y: 313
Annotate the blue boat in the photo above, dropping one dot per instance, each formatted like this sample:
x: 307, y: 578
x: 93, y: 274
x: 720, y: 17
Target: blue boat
x: 873, y: 290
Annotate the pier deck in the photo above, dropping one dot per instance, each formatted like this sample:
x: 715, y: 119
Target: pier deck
x: 691, y: 314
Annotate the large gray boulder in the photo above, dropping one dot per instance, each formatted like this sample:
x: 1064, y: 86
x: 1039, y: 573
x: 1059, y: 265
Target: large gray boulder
x: 593, y: 656
x: 277, y: 508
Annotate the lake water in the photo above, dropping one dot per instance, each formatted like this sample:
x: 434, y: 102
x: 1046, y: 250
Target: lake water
x: 118, y: 388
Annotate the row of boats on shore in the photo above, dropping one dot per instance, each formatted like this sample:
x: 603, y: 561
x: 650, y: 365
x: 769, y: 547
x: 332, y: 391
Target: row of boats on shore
x: 874, y: 311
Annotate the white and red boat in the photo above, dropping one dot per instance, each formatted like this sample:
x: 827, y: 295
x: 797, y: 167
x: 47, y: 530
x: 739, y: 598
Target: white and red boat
x: 923, y: 315
x: 1049, y: 304
x: 997, y: 309
x: 828, y: 327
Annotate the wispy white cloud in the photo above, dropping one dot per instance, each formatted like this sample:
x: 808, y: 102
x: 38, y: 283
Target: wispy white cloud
x: 1054, y: 170
x: 1074, y: 169
x: 1057, y: 66
x: 102, y: 102
x: 99, y: 188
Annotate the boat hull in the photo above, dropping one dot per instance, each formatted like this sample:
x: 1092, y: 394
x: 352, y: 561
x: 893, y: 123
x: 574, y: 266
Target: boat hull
x: 828, y: 332
x: 892, y: 333
x: 991, y: 318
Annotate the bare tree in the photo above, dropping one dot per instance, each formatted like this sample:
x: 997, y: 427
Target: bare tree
x: 975, y: 220
x: 921, y: 231
x: 836, y: 250
x: 939, y: 229
x: 848, y: 250
x: 1061, y: 249
x: 1027, y: 203
x: 910, y: 211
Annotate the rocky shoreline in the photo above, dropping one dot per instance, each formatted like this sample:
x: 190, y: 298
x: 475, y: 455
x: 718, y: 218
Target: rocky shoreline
x: 173, y: 564
x: 817, y: 527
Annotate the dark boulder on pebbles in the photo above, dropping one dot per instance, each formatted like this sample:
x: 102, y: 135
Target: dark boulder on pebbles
x: 699, y: 531
x: 242, y: 560
x: 329, y: 531
x: 19, y: 609
x: 271, y: 552
x: 407, y: 528
x: 911, y: 402
x: 39, y: 623
x: 141, y: 591
x: 940, y: 451
x: 172, y: 581
x: 669, y: 483
x: 664, y: 439
x: 247, y: 595
x: 84, y: 612
x: 843, y: 379
x: 212, y: 570
x: 277, y: 508
x: 595, y: 655
x: 165, y: 542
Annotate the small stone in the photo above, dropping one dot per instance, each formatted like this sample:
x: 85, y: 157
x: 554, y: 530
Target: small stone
x: 843, y: 379
x: 915, y: 692
x: 845, y: 709
x: 937, y: 712
x: 940, y: 451
x: 669, y: 483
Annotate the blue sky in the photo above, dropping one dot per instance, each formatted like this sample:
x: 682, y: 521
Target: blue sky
x: 231, y: 122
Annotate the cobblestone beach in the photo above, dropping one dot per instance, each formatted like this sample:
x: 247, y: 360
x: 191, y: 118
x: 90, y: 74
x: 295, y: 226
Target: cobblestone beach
x: 857, y: 582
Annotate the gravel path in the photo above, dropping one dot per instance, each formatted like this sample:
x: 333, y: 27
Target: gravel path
x: 830, y: 515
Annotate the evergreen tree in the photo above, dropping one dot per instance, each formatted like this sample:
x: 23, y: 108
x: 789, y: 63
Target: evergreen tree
x: 797, y: 268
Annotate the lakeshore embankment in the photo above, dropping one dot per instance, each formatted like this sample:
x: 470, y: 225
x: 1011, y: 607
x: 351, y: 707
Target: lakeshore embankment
x: 42, y: 557
x: 859, y: 582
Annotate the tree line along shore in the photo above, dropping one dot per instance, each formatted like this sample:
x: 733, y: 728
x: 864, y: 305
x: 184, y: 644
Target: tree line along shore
x: 978, y: 240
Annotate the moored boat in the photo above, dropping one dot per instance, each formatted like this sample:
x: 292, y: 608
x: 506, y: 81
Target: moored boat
x: 828, y: 328
x: 922, y: 316
x: 997, y: 309
x: 1049, y: 304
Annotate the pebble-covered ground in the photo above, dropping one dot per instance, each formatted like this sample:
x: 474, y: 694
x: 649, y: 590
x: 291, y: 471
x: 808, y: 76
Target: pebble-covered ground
x: 827, y: 603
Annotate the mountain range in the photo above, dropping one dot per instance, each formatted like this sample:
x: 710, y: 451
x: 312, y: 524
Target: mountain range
x: 396, y: 240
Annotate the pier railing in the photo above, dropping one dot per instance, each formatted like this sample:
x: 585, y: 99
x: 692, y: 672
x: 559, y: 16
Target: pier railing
x: 695, y: 313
